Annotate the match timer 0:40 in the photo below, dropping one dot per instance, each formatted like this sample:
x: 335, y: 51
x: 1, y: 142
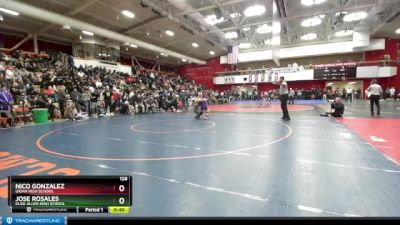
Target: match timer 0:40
x: 91, y: 194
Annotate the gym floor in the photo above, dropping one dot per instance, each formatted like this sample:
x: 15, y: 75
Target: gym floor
x: 244, y: 161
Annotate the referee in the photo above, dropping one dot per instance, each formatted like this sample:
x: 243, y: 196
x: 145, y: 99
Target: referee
x: 375, y: 93
x: 284, y: 96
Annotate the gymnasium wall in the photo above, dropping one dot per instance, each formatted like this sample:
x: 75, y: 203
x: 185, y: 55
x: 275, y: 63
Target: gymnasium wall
x: 204, y: 73
x: 392, y: 47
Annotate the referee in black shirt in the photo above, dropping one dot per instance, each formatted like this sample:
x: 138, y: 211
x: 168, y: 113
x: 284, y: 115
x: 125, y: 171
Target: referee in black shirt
x: 284, y: 96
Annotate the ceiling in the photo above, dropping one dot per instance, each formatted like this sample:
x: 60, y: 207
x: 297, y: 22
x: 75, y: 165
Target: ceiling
x: 186, y: 18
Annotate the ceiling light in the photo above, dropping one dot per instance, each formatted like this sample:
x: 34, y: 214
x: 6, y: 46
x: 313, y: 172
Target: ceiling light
x: 87, y: 33
x: 169, y: 33
x: 1, y: 18
x: 128, y: 13
x: 311, y: 22
x: 398, y: 31
x: 212, y: 19
x: 268, y: 42
x: 234, y: 15
x: 321, y: 16
x: 212, y: 53
x: 133, y: 46
x: 184, y: 60
x: 354, y: 16
x: 11, y: 12
x: 246, y: 28
x: 231, y: 35
x: 195, y: 45
x: 244, y: 45
x: 344, y: 33
x: 311, y: 2
x: 340, y: 13
x: 255, y: 10
x: 309, y: 36
x: 80, y: 37
x: 164, y: 54
x: 263, y: 29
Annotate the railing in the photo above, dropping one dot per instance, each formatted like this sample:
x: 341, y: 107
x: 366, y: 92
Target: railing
x: 7, y: 51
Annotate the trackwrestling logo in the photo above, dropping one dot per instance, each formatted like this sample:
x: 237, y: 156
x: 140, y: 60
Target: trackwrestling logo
x: 34, y: 220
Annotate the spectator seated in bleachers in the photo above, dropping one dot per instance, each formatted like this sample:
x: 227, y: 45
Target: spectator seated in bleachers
x: 6, y: 107
x: 48, y: 82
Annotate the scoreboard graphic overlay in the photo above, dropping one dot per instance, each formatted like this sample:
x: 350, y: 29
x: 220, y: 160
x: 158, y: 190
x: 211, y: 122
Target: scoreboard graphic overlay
x: 63, y: 194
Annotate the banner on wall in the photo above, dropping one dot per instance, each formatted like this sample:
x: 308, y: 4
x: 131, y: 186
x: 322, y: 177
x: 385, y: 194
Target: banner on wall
x: 229, y: 80
x: 264, y: 76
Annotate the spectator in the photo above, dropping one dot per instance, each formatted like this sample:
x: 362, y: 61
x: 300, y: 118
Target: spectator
x: 299, y: 94
x: 291, y: 96
x: 349, y: 94
x: 86, y: 96
x: 344, y: 93
x: 6, y: 102
x: 387, y: 92
x: 392, y: 93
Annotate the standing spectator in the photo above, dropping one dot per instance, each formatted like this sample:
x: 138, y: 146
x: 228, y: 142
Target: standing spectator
x: 387, y: 92
x: 183, y: 98
x: 299, y: 93
x: 359, y: 93
x: 375, y: 92
x: 392, y: 93
x: 62, y: 100
x: 249, y: 95
x: 291, y: 96
x: 349, y: 95
x: 75, y: 96
x: 344, y: 92
x: 86, y: 96
x: 107, y: 94
x: 52, y: 108
x: 94, y: 102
